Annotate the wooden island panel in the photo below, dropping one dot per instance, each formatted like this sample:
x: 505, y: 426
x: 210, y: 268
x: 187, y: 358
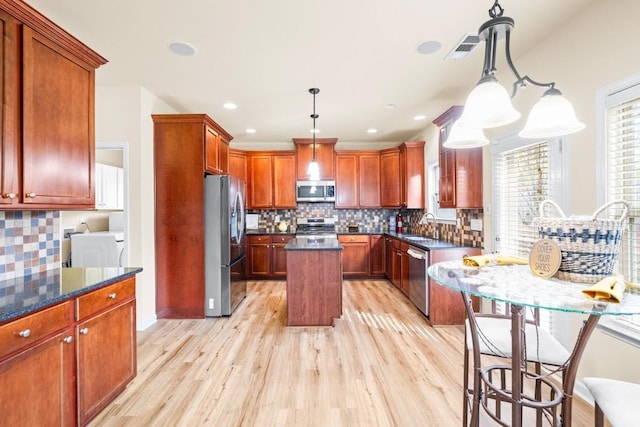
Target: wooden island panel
x: 314, y: 287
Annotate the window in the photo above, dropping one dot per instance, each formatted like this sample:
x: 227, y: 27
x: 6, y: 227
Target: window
x: 433, y: 201
x: 525, y: 174
x: 619, y: 175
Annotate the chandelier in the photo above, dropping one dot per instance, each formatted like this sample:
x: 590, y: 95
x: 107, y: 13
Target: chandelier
x: 489, y: 104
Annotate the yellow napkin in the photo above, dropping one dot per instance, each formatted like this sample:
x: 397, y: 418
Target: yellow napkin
x: 609, y: 289
x: 482, y: 260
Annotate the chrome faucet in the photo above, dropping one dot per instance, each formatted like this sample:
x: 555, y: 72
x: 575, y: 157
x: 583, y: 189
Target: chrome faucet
x: 434, y: 232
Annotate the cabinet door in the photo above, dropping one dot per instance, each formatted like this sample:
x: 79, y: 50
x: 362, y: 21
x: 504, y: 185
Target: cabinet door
x: 396, y: 272
x: 404, y: 269
x: 447, y: 183
x: 279, y: 255
x: 108, y: 191
x: 211, y: 143
x: 324, y: 156
x: 223, y: 156
x: 284, y: 181
x: 106, y: 358
x: 376, y: 251
x: 38, y: 384
x: 388, y: 257
x: 355, y: 255
x: 9, y: 93
x: 238, y: 165
x: 58, y: 124
x: 390, y: 179
x: 369, y: 180
x: 260, y: 181
x: 259, y: 259
x: 346, y: 181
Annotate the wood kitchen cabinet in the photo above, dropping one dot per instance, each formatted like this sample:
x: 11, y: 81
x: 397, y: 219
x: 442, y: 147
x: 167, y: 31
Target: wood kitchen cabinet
x: 106, y: 343
x: 238, y: 165
x: 460, y: 184
x: 37, y: 378
x: 325, y: 154
x: 266, y: 257
x: 180, y: 142
x: 48, y: 92
x: 402, y: 183
x: 377, y: 255
x: 216, y: 151
x: 357, y: 179
x: 271, y: 179
x: 388, y: 257
x: 355, y: 255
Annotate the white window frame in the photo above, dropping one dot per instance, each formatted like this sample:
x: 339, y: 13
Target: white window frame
x: 443, y: 215
x: 559, y: 177
x: 625, y: 89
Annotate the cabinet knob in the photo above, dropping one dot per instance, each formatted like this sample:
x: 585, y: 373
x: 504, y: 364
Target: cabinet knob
x: 113, y: 295
x: 84, y: 331
x: 9, y: 196
x: 25, y: 333
x: 67, y: 340
x: 31, y: 195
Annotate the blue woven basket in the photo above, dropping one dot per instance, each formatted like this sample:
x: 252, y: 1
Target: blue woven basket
x: 589, y: 245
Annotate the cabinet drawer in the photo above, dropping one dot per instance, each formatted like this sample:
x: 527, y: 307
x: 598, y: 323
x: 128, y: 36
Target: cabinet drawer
x: 22, y: 332
x: 396, y: 244
x: 106, y: 297
x: 259, y: 239
x: 280, y: 239
x: 347, y: 238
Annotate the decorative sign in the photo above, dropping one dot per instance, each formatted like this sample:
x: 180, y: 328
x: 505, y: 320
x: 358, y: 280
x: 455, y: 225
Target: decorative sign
x: 545, y: 257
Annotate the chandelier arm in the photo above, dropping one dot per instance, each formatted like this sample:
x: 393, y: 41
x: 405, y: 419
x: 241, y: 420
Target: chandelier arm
x: 521, y: 81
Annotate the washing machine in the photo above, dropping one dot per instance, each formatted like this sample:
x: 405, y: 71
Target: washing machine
x: 101, y: 248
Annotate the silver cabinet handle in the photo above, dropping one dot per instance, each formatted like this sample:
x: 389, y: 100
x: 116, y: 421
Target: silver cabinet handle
x: 67, y: 340
x: 25, y: 333
x: 9, y: 196
x: 84, y: 331
x: 31, y: 195
x: 113, y: 295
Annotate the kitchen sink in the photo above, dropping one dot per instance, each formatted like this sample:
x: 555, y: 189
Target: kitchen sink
x: 418, y: 238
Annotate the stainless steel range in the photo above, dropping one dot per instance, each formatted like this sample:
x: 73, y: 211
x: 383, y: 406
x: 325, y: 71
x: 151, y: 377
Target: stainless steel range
x: 316, y: 228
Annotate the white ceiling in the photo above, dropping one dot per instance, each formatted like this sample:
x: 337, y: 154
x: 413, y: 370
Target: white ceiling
x: 265, y: 55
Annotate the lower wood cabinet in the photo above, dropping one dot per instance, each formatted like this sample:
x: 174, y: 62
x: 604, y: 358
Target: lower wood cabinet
x: 61, y: 366
x: 355, y: 255
x: 266, y: 257
x: 377, y: 256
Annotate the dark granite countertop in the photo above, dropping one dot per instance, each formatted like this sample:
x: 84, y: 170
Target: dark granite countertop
x: 24, y: 295
x: 307, y: 244
x: 423, y: 242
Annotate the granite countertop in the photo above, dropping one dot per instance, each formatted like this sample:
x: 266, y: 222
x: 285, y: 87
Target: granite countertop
x: 307, y: 244
x: 24, y: 295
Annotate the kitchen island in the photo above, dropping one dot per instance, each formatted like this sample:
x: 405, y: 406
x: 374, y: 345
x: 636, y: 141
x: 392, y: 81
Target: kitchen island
x: 314, y: 281
x: 67, y: 344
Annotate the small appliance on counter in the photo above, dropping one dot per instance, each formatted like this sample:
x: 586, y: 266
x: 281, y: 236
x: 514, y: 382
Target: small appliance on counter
x: 353, y: 228
x: 252, y: 221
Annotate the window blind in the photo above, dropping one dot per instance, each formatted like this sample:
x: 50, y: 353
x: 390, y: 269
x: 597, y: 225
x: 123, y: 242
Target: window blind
x: 623, y: 180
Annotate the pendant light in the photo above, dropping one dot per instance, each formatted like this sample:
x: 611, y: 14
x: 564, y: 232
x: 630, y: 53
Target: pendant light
x: 489, y: 104
x: 462, y: 137
x: 313, y: 170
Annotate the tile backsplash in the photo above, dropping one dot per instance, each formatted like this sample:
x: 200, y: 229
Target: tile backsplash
x: 29, y: 242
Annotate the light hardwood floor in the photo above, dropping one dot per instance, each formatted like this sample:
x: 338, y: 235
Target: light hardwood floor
x: 381, y: 365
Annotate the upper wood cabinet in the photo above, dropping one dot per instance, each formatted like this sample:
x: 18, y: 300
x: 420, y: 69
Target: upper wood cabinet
x: 271, y: 179
x: 460, y: 184
x: 402, y: 176
x: 238, y: 164
x: 325, y: 156
x: 216, y: 149
x: 357, y: 179
x: 47, y: 85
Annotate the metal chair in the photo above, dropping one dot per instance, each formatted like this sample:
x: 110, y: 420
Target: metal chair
x: 617, y: 400
x: 492, y: 334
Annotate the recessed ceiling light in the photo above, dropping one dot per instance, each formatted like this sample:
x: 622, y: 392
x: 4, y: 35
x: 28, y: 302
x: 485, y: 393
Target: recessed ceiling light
x: 390, y: 105
x: 419, y: 117
x: 372, y: 130
x: 182, y: 48
x: 429, y: 47
x: 249, y: 130
x: 229, y: 105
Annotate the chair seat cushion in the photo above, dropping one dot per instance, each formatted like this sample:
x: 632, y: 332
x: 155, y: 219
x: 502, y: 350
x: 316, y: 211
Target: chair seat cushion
x: 495, y: 339
x: 617, y: 399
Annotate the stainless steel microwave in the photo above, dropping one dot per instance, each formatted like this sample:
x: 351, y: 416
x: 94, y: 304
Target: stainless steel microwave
x: 316, y: 191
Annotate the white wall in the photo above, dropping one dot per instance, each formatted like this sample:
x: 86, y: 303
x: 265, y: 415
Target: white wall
x: 124, y: 114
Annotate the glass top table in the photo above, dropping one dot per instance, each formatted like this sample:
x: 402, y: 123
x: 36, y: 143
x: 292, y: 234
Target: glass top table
x: 517, y: 286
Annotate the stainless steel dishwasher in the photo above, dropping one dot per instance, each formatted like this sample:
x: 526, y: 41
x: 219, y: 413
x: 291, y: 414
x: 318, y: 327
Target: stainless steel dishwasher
x: 418, y: 282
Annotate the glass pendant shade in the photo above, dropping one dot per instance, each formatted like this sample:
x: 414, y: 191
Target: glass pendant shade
x: 313, y: 170
x: 488, y: 106
x: 461, y: 137
x: 553, y: 115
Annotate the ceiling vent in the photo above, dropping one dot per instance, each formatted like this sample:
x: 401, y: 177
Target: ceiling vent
x: 464, y: 47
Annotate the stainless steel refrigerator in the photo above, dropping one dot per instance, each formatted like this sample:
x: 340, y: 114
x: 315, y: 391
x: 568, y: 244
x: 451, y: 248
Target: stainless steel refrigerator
x: 225, y: 284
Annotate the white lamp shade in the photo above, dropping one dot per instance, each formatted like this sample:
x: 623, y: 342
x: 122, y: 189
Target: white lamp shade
x: 488, y: 106
x: 313, y: 170
x: 553, y: 115
x: 461, y: 137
